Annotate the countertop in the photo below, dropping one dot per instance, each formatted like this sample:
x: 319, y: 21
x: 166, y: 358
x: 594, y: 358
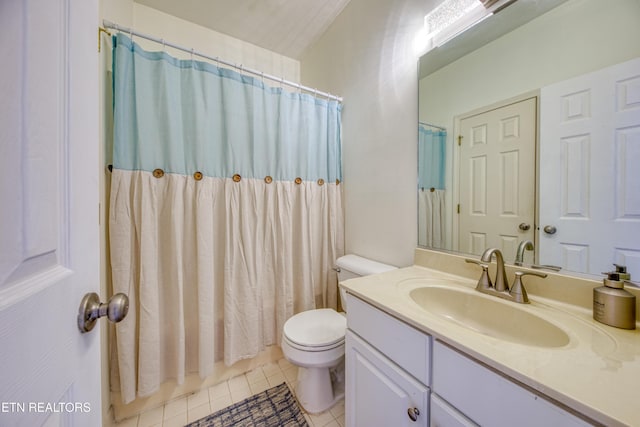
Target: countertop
x: 597, y: 374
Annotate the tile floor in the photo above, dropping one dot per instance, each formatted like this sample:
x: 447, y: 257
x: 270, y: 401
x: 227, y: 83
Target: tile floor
x: 181, y: 411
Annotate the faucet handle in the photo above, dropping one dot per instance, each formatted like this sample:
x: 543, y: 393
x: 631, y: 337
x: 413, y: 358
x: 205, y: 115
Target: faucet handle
x: 484, y: 282
x: 517, y: 291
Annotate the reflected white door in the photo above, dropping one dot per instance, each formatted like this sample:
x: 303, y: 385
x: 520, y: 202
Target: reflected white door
x: 497, y: 184
x: 49, y: 252
x: 590, y: 171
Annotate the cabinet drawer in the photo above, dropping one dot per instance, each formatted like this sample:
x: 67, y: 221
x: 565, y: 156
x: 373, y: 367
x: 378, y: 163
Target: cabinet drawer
x: 406, y: 346
x: 490, y: 399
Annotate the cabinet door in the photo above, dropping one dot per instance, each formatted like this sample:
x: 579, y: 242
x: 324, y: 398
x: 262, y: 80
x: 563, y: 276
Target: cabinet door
x: 444, y: 415
x: 490, y: 399
x: 378, y: 392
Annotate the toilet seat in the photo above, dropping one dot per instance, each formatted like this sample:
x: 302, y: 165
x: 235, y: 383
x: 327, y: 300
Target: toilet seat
x: 312, y: 349
x: 315, y: 330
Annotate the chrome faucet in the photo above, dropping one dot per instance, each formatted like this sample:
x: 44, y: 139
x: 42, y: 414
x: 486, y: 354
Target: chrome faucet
x: 524, y: 245
x: 501, y: 289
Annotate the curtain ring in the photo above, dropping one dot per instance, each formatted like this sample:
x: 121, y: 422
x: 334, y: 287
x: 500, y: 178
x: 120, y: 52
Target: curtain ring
x: 315, y: 92
x: 191, y: 54
x: 163, y: 46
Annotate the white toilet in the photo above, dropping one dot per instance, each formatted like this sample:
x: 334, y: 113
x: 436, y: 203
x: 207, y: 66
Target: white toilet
x: 314, y: 341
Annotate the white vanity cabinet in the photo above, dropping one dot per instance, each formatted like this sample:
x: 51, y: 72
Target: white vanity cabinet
x: 387, y: 370
x: 393, y: 369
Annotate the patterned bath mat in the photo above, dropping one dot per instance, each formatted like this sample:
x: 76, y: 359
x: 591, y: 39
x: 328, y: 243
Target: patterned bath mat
x: 275, y: 407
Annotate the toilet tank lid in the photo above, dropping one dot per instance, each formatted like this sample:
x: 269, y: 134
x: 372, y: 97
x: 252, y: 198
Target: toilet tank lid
x: 362, y: 266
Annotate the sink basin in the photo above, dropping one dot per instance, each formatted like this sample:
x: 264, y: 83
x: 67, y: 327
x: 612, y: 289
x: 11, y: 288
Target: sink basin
x: 490, y: 316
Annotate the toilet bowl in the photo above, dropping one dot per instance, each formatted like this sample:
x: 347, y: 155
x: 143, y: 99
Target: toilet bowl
x: 314, y: 340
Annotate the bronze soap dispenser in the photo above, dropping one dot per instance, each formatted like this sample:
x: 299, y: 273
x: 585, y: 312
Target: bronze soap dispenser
x: 613, y: 305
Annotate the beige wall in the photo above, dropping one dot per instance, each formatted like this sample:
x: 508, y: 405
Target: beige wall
x: 153, y: 22
x: 367, y: 57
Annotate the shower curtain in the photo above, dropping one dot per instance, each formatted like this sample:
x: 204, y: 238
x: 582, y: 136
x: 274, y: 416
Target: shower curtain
x: 225, y: 214
x: 431, y: 194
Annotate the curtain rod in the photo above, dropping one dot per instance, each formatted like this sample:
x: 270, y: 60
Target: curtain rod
x: 433, y: 126
x: 282, y: 81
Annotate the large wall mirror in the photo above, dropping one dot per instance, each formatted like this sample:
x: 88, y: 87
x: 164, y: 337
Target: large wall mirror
x: 530, y: 132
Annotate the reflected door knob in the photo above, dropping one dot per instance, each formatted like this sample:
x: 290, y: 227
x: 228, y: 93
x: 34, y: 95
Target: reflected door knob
x: 550, y: 229
x: 91, y: 309
x: 524, y: 226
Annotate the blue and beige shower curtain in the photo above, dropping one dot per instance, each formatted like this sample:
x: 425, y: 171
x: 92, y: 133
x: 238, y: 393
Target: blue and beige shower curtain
x: 225, y: 213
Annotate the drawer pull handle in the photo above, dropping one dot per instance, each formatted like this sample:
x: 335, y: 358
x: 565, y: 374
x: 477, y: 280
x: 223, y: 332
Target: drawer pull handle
x: 413, y: 413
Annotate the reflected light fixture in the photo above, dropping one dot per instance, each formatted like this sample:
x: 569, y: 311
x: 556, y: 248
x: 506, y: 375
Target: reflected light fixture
x: 452, y: 17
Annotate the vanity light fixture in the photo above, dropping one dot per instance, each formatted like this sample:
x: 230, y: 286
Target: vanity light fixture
x: 453, y: 17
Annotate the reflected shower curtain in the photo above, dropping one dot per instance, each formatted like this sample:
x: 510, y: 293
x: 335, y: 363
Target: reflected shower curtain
x: 431, y: 222
x: 431, y: 194
x: 225, y: 214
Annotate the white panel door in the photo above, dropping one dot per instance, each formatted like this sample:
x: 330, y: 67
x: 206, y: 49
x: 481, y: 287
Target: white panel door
x: 497, y: 184
x: 49, y: 371
x: 590, y: 171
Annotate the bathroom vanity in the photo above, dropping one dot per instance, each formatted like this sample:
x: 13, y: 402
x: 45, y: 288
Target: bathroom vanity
x: 413, y: 360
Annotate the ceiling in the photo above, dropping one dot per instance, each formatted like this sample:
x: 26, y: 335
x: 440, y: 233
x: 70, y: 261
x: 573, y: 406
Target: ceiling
x: 287, y: 27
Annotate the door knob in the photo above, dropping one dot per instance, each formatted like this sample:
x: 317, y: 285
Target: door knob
x: 524, y: 226
x: 550, y: 229
x: 91, y: 309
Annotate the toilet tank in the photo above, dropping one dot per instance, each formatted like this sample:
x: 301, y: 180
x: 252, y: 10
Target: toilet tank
x: 352, y: 266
